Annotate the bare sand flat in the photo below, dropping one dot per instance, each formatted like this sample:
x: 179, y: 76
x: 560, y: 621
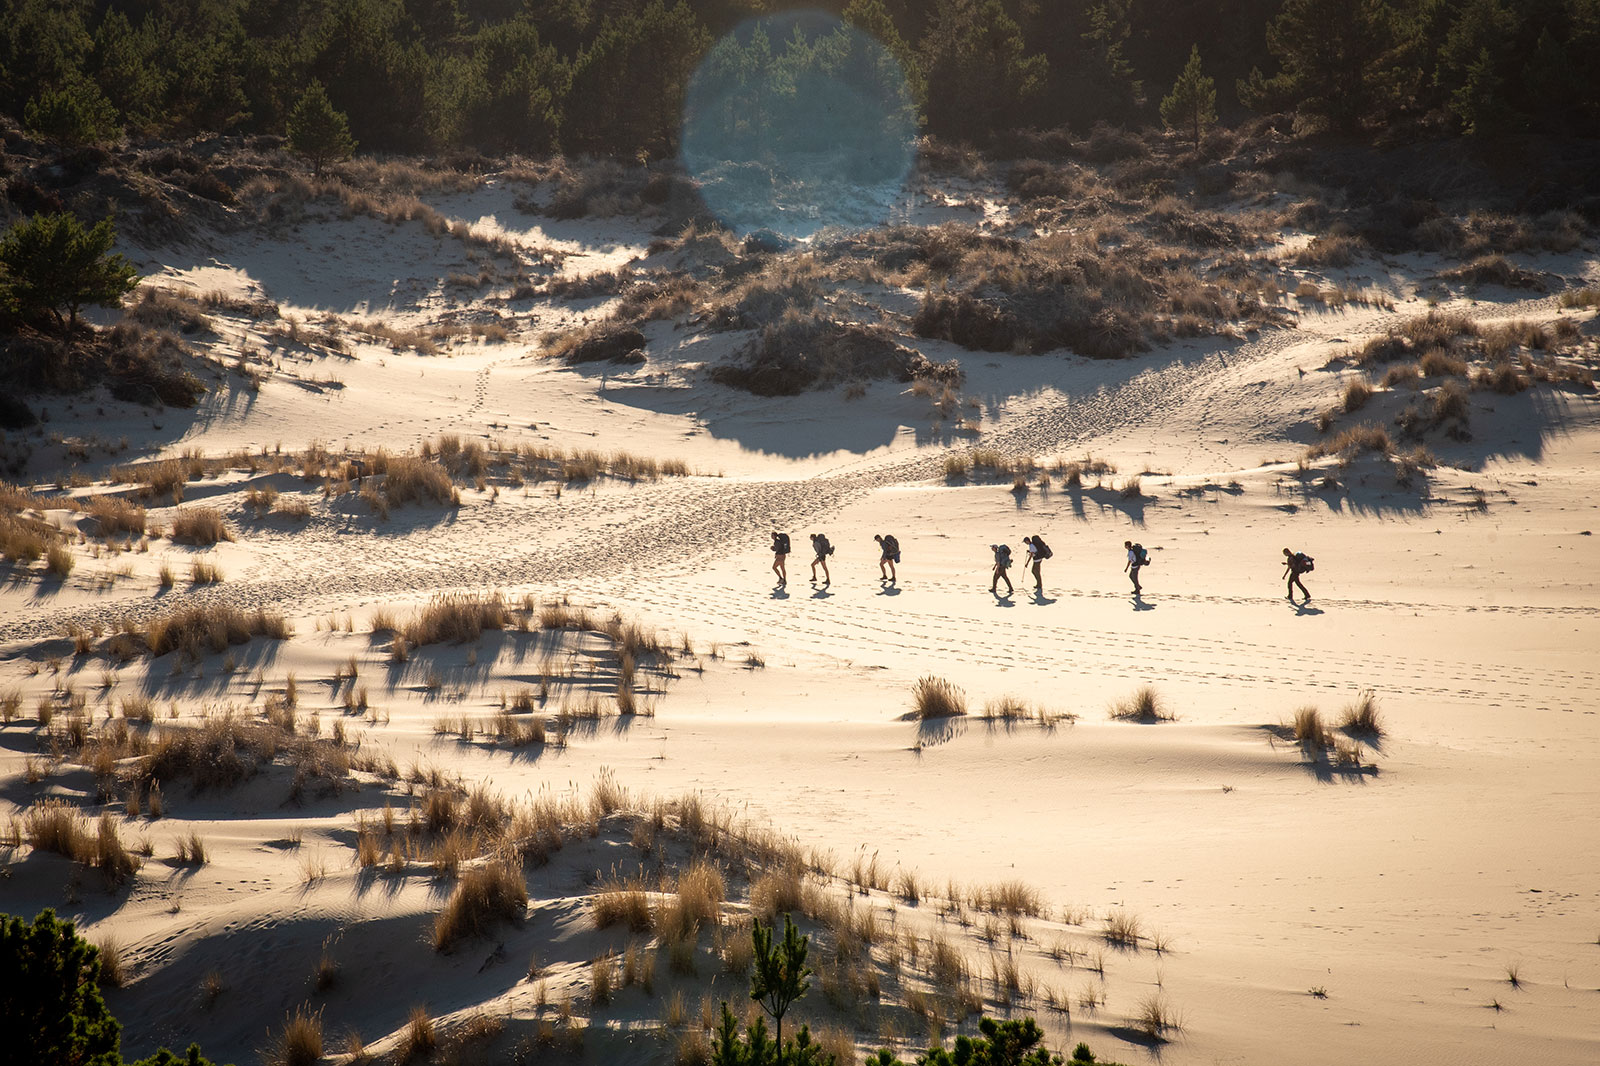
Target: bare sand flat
x: 1428, y: 894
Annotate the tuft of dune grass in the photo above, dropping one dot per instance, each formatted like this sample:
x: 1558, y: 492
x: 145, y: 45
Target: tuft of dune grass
x: 1143, y: 706
x: 199, y: 525
x: 484, y: 895
x: 935, y: 697
x: 1361, y: 718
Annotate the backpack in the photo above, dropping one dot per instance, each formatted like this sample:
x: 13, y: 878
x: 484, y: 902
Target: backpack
x: 890, y: 545
x: 822, y: 546
x: 1142, y: 556
x: 780, y: 544
x: 1002, y: 554
x: 1043, y: 548
x: 1304, y: 564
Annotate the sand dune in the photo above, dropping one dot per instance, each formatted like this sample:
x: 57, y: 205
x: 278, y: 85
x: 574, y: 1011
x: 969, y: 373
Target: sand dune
x: 1305, y: 908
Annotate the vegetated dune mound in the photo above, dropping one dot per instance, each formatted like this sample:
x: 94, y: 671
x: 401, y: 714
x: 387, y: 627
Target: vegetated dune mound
x: 798, y: 353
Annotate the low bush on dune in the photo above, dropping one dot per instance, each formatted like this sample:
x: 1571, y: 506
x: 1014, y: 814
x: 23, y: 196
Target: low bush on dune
x: 1495, y: 270
x: 800, y: 352
x: 608, y: 342
x: 408, y: 479
x: 494, y: 892
x: 935, y: 697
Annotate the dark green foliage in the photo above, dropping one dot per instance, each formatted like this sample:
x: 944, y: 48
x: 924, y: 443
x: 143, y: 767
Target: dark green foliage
x: 50, y: 264
x: 779, y: 979
x: 50, y: 1000
x: 780, y: 973
x: 1192, y: 104
x: 979, y: 71
x: 50, y: 996
x: 75, y: 113
x: 317, y: 131
x: 192, y: 1057
x: 579, y: 75
x: 628, y: 84
x: 1013, y: 1043
x: 1330, y: 56
x: 756, y: 1048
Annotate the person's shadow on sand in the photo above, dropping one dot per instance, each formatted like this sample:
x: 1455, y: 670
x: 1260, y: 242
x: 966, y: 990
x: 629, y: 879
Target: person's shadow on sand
x: 821, y: 593
x: 1003, y: 599
x: 888, y: 590
x: 1041, y: 599
x: 780, y: 593
x: 1303, y: 609
x: 1139, y: 603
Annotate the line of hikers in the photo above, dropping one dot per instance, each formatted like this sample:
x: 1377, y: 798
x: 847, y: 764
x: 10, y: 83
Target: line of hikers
x: 1296, y: 564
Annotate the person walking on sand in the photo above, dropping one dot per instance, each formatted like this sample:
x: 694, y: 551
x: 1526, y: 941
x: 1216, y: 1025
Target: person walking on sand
x: 819, y: 544
x: 780, y: 556
x: 890, y: 555
x: 1294, y: 564
x: 1038, y: 552
x: 1002, y: 563
x: 1138, y: 558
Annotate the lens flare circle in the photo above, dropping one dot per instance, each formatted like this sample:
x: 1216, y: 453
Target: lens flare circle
x: 798, y: 121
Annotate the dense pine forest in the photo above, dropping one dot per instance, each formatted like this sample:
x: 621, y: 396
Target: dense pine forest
x: 609, y: 76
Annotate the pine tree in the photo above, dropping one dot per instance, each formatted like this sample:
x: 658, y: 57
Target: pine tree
x: 76, y: 113
x: 50, y: 263
x: 317, y: 131
x: 50, y: 995
x: 1332, y: 59
x: 1192, y: 104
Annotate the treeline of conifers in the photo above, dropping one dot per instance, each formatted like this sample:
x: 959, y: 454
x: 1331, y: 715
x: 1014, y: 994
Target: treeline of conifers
x: 609, y: 76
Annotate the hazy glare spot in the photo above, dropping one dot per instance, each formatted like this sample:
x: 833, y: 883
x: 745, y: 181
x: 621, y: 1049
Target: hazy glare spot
x: 798, y: 121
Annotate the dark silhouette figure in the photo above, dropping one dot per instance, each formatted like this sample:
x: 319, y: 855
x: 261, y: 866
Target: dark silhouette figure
x: 1038, y: 552
x: 1294, y: 564
x: 889, y: 556
x: 1137, y: 560
x: 780, y: 556
x: 819, y: 544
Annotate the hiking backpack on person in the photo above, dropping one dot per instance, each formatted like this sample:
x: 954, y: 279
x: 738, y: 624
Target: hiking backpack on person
x: 891, y: 547
x: 1042, y: 548
x: 1140, y: 555
x: 1304, y: 563
x: 780, y: 544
